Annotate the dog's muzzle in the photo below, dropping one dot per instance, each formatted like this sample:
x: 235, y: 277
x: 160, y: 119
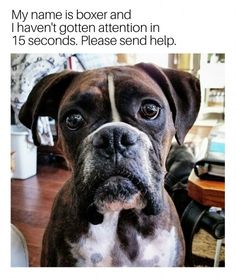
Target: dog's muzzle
x: 124, y: 179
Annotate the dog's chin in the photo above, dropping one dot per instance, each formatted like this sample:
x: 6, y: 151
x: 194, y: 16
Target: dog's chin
x: 118, y: 193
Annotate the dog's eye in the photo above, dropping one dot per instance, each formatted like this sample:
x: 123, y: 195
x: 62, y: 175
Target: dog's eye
x: 74, y: 121
x: 149, y: 111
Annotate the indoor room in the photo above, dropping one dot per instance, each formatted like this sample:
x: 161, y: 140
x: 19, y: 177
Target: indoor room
x: 47, y: 139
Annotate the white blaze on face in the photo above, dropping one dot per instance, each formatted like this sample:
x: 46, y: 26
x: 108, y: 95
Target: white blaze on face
x: 111, y: 91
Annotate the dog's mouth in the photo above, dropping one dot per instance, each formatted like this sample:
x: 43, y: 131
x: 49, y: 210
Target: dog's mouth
x: 115, y: 194
x: 121, y: 191
x: 118, y: 193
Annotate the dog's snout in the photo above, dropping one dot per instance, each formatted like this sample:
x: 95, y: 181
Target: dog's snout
x: 115, y: 140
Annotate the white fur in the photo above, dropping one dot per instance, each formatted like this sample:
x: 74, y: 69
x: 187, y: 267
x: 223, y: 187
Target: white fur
x: 163, y: 246
x: 100, y: 239
x: 111, y: 90
x: 160, y: 250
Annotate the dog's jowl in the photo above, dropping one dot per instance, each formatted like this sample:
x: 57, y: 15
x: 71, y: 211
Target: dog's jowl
x: 115, y: 126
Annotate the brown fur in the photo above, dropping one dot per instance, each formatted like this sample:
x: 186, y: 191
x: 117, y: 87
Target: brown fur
x: 179, y: 96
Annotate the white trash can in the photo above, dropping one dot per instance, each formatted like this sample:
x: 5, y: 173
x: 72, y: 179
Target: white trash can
x: 25, y: 153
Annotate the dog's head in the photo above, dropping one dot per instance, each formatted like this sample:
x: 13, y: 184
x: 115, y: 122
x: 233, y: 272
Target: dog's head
x: 116, y: 125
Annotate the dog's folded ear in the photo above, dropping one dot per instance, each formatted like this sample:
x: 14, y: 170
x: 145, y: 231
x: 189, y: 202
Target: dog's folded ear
x: 44, y: 100
x: 183, y: 93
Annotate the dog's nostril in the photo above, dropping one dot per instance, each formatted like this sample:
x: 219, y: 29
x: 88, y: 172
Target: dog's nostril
x: 101, y: 141
x: 127, y: 139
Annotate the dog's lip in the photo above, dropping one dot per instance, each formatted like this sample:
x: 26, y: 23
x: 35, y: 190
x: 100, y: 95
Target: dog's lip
x: 117, y: 193
x: 119, y: 177
x: 118, y: 185
x: 125, y: 174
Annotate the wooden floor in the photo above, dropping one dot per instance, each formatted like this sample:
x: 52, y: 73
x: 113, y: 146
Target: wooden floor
x: 31, y: 202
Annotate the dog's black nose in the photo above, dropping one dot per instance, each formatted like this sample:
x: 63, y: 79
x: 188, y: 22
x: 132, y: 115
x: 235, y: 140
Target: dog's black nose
x: 113, y: 140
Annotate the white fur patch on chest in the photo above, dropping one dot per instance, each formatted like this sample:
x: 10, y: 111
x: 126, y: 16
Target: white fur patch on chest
x: 111, y: 90
x: 94, y: 248
x: 160, y: 250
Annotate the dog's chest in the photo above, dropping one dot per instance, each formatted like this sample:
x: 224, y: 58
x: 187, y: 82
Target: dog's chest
x: 101, y: 247
x: 95, y: 248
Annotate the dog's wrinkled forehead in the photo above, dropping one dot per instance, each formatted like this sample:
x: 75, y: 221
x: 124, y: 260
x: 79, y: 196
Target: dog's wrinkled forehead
x: 112, y: 86
x: 89, y: 83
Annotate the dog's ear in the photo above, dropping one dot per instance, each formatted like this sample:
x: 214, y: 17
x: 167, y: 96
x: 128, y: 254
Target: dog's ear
x: 183, y: 93
x: 44, y: 100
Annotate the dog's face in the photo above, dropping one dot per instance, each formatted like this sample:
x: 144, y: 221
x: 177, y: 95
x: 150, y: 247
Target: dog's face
x: 116, y: 126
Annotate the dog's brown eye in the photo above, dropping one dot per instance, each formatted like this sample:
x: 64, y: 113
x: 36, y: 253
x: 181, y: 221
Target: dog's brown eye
x: 149, y: 111
x: 74, y: 121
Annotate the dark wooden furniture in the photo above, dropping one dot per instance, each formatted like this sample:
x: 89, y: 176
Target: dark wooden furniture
x: 206, y: 192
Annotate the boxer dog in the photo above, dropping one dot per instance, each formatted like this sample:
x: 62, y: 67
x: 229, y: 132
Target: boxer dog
x: 115, y: 125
